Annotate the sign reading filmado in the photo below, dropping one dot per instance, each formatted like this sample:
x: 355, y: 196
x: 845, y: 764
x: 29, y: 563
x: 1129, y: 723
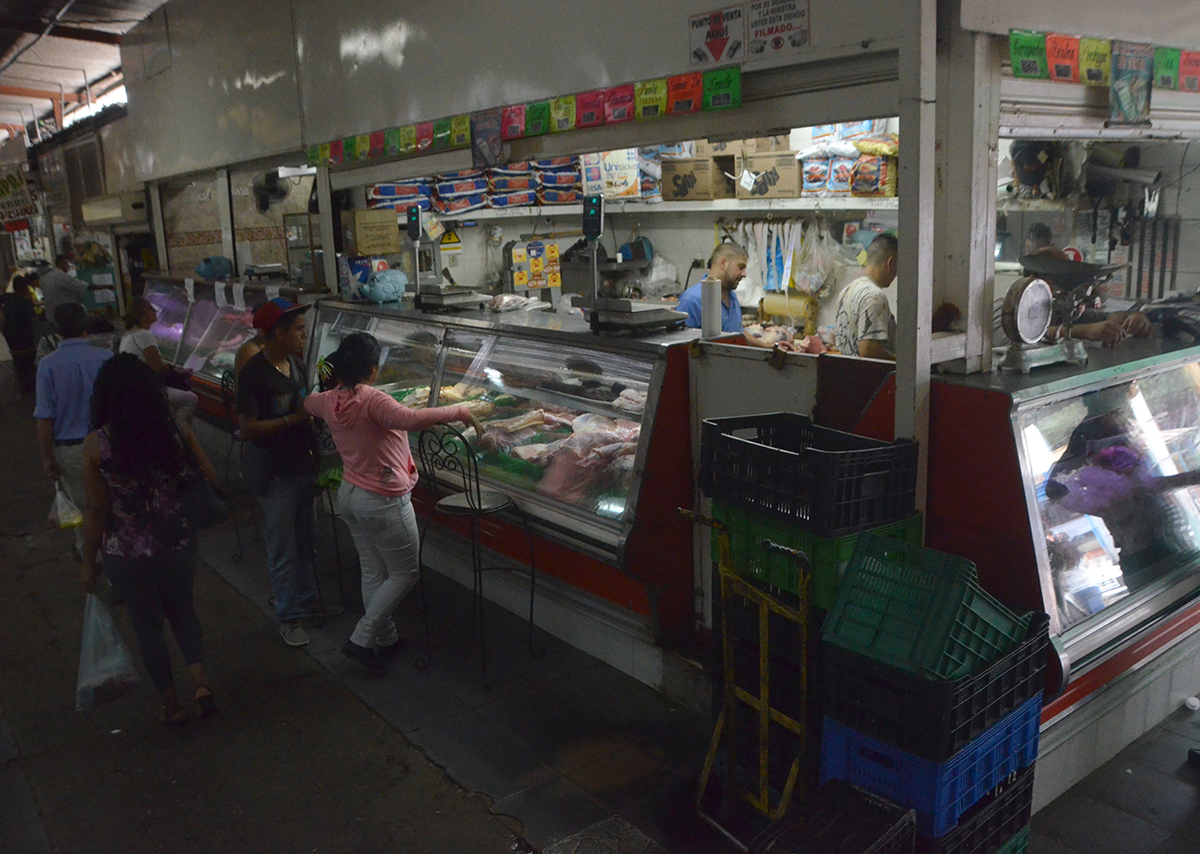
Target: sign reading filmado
x: 17, y: 198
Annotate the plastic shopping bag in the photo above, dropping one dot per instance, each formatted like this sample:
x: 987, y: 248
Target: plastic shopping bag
x: 106, y: 669
x: 63, y: 512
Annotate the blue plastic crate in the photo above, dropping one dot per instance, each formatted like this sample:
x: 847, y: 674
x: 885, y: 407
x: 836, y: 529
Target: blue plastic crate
x: 940, y: 792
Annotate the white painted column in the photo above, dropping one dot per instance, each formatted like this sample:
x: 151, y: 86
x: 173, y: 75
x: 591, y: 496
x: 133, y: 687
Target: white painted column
x: 325, y: 220
x: 156, y: 222
x: 225, y: 211
x: 968, y: 129
x: 914, y: 297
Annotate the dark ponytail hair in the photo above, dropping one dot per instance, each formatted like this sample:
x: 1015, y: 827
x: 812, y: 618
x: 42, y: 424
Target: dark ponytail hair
x: 353, y: 360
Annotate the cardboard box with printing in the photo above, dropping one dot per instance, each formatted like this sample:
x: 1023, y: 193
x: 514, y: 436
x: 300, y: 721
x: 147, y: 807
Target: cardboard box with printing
x: 699, y: 179
x: 373, y: 232
x: 727, y: 148
x: 776, y: 175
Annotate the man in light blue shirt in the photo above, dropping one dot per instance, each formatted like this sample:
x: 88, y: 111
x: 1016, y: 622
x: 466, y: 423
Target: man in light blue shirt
x: 64, y: 396
x: 728, y: 263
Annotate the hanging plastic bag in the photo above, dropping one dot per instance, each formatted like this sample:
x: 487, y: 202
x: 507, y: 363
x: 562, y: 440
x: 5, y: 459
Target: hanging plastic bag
x: 106, y: 669
x: 63, y: 512
x: 817, y: 261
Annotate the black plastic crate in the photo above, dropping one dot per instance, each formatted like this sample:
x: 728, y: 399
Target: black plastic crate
x: 785, y: 638
x: 932, y: 719
x: 840, y: 819
x: 785, y: 687
x: 827, y: 481
x: 987, y: 826
x: 783, y: 747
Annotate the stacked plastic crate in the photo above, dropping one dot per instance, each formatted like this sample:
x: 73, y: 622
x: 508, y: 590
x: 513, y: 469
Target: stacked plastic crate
x: 781, y: 486
x: 932, y: 695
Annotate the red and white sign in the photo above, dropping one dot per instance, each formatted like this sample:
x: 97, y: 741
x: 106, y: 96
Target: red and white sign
x: 777, y: 27
x: 718, y: 36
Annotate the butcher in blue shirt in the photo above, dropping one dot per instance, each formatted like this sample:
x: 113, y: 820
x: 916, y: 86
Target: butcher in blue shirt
x: 728, y: 263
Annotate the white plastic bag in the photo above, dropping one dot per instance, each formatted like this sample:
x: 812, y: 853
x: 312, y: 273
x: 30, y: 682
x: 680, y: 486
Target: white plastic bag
x: 106, y: 669
x: 63, y: 512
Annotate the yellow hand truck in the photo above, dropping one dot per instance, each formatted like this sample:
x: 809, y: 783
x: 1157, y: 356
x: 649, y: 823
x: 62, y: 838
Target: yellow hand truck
x: 734, y: 587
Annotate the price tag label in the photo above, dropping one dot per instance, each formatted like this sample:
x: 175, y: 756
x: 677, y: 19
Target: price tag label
x: 747, y: 180
x: 272, y: 291
x: 219, y: 294
x: 239, y: 296
x: 189, y: 287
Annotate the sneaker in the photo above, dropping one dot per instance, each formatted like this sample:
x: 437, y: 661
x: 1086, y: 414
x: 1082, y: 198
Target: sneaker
x: 387, y: 653
x: 293, y: 634
x: 368, y: 658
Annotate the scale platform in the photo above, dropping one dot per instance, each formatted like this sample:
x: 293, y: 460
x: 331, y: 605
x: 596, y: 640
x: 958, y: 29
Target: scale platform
x: 1024, y: 358
x: 629, y: 312
x: 449, y: 296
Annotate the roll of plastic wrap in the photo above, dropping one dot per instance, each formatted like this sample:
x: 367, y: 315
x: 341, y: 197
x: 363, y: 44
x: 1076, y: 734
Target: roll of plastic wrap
x: 710, y: 307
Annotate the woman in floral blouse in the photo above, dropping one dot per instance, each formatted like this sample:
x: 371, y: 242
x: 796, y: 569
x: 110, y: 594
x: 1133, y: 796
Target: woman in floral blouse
x: 135, y: 467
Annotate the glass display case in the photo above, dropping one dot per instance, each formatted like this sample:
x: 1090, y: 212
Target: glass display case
x: 1087, y: 504
x: 171, y: 302
x: 575, y: 426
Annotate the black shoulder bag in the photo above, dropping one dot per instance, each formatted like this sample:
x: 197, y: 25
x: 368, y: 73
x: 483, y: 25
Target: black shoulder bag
x: 203, y: 504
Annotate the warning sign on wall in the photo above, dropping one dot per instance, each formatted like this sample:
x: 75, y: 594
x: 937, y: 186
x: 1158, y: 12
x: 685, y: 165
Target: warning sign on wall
x: 718, y: 36
x: 776, y: 27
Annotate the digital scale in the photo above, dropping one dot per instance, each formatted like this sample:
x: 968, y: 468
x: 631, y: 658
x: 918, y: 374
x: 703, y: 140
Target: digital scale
x: 616, y: 313
x: 432, y: 290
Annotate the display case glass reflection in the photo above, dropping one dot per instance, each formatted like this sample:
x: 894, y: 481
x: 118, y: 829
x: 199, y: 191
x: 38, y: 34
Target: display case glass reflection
x: 204, y: 311
x: 171, y: 303
x: 560, y: 422
x: 1116, y: 473
x: 215, y: 352
x: 409, y: 351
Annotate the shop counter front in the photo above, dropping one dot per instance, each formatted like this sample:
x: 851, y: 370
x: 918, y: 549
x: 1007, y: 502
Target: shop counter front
x: 587, y: 433
x: 1076, y: 491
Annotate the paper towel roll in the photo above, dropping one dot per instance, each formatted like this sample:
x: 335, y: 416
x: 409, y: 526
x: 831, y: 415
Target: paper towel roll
x: 710, y: 307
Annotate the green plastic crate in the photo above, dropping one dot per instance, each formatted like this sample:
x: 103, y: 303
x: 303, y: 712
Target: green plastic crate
x: 1017, y: 844
x: 827, y: 558
x: 919, y: 610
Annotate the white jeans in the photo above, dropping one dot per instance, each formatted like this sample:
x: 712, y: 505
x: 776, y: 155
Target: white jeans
x: 384, y: 528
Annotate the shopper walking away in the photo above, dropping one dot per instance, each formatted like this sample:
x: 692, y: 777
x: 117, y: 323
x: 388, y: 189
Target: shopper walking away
x: 64, y: 389
x: 136, y: 462
x: 60, y: 286
x: 280, y: 461
x: 19, y: 315
x: 140, y: 341
x: 370, y: 430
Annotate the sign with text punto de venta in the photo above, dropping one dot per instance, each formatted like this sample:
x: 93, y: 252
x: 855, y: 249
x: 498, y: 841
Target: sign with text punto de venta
x: 717, y: 36
x: 777, y: 27
x: 17, y: 198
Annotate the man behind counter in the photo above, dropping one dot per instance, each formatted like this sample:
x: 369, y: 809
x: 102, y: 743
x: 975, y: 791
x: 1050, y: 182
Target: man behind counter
x: 864, y: 324
x: 728, y: 263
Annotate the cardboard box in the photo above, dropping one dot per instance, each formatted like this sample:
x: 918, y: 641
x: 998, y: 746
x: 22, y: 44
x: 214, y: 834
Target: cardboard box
x: 699, y: 179
x: 373, y: 232
x: 727, y: 148
x: 766, y: 144
x: 777, y: 175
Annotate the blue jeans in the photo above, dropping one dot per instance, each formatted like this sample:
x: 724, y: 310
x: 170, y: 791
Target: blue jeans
x: 288, y: 523
x: 384, y: 529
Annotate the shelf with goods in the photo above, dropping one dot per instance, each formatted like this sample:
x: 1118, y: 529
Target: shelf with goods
x: 748, y: 206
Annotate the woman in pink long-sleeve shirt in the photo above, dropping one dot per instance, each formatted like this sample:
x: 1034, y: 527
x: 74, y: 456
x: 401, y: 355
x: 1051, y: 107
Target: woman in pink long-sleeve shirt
x: 370, y: 430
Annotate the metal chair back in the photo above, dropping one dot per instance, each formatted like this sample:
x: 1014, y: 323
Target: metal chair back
x: 229, y: 398
x: 444, y: 452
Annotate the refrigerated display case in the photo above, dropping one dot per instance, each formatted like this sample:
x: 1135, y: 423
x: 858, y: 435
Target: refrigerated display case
x: 588, y: 434
x: 1087, y: 503
x: 202, y: 334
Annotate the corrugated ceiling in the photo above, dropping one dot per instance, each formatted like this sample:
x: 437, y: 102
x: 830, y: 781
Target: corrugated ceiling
x: 80, y: 53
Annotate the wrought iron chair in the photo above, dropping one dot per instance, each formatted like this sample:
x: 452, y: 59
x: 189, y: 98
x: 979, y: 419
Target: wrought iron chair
x: 446, y: 454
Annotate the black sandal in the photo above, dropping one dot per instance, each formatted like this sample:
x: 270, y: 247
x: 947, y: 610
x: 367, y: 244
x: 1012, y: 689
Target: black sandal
x: 206, y: 704
x: 173, y: 715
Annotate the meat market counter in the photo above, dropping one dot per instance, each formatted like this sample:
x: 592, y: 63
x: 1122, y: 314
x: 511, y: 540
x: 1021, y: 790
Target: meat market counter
x: 587, y: 433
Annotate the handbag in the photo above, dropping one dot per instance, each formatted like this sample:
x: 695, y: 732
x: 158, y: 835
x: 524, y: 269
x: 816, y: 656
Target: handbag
x: 203, y: 504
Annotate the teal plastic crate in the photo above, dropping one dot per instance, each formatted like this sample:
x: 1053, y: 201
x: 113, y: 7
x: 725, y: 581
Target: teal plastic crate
x: 919, y: 610
x: 828, y: 558
x: 1017, y: 845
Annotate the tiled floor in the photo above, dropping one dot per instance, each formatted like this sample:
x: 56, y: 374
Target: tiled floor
x: 570, y: 748
x: 1146, y: 800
